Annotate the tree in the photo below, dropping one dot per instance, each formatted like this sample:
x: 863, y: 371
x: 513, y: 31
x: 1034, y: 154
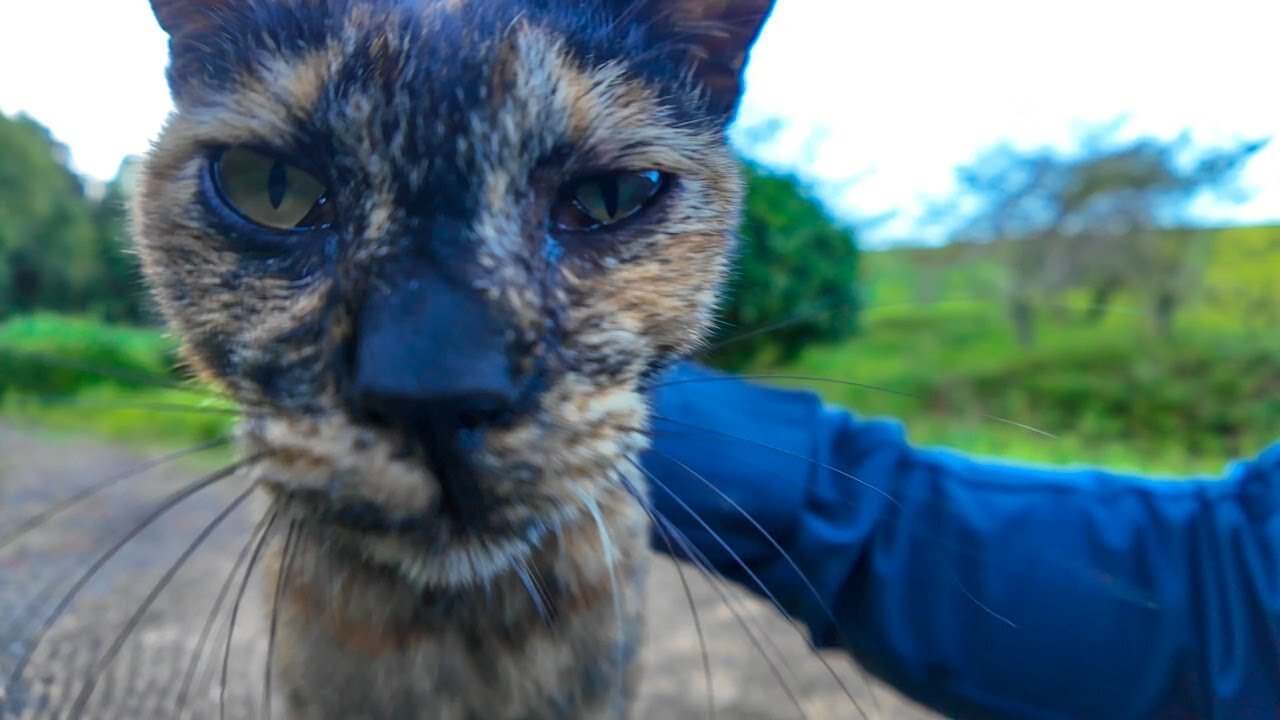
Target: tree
x: 795, y: 282
x: 1113, y: 216
x: 120, y: 297
x: 65, y: 251
x: 1240, y: 278
x: 45, y: 228
x: 60, y: 249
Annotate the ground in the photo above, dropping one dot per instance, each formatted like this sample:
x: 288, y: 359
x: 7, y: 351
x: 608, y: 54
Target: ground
x: 143, y: 682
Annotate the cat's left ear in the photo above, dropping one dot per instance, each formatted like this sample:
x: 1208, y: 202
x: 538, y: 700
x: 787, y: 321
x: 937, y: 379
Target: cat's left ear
x: 717, y: 35
x: 199, y: 33
x: 182, y: 17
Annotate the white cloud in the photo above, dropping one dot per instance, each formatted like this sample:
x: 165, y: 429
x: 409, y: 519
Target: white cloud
x: 91, y: 70
x: 905, y: 90
x: 909, y: 89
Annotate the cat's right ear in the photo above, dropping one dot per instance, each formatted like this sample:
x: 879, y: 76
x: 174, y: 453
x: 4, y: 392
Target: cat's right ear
x: 714, y: 37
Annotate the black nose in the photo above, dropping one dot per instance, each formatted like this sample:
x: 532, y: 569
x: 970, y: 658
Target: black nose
x: 430, y: 356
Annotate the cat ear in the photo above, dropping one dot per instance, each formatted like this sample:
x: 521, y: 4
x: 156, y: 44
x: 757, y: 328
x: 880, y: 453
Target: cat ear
x: 199, y: 32
x: 717, y: 35
x: 181, y: 17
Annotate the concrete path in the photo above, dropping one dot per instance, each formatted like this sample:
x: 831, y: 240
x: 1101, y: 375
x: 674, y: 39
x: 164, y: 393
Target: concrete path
x: 144, y: 681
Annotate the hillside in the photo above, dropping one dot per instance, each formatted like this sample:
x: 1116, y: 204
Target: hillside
x: 936, y: 351
x: 936, y: 328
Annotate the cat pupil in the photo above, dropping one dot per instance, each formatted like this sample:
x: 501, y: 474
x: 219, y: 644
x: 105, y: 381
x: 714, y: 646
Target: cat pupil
x: 610, y: 198
x: 277, y: 184
x: 609, y: 189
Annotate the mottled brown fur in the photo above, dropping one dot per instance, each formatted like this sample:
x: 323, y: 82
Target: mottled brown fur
x: 542, y: 620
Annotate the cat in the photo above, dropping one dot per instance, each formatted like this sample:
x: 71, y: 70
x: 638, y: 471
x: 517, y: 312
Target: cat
x: 433, y: 249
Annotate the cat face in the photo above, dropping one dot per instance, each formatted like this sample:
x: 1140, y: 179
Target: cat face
x: 434, y: 247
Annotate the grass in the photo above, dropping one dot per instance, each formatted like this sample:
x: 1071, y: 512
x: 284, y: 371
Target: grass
x: 1108, y: 393
x: 144, y: 419
x: 71, y: 376
x: 53, y: 355
x: 1111, y: 393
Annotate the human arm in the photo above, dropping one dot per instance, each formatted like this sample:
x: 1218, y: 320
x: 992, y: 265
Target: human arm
x: 984, y: 589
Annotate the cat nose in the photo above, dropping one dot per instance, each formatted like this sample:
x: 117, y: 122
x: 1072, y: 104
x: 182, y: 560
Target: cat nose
x: 430, y: 355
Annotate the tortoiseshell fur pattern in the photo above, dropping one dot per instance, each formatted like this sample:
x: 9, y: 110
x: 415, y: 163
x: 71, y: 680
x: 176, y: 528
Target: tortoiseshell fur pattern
x: 417, y: 113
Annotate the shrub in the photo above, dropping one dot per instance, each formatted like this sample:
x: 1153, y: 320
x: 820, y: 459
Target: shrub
x: 797, y: 270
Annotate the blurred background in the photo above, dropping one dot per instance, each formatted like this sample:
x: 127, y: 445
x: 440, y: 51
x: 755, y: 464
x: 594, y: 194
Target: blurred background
x: 1042, y: 231
x: 1065, y: 215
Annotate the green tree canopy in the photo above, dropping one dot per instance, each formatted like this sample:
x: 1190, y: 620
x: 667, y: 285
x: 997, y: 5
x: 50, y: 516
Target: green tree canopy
x: 65, y: 249
x: 1116, y: 214
x: 796, y: 278
x: 60, y: 249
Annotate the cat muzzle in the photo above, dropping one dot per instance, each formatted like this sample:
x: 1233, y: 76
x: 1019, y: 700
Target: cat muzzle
x: 432, y: 363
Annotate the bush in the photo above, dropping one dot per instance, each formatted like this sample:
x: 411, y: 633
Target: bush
x: 51, y: 356
x: 797, y: 270
x: 62, y: 243
x: 1106, y: 393
x: 77, y: 376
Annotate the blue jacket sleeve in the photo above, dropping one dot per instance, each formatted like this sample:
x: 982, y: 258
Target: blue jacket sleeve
x: 983, y: 590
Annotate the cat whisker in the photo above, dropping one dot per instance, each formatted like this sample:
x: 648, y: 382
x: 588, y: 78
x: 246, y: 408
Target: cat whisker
x: 699, y: 561
x: 259, y: 533
x: 25, y: 617
x: 816, y: 310
x: 77, y: 404
x: 170, y: 502
x: 282, y: 577
x: 788, y: 453
x: 610, y: 559
x: 804, y: 579
x: 231, y: 627
x: 760, y: 584
x: 792, y: 321
x: 539, y: 582
x: 123, y: 375
x: 39, y: 519
x: 535, y: 591
x: 844, y: 383
x: 981, y: 605
x: 1121, y: 591
x: 697, y: 621
x: 78, y: 707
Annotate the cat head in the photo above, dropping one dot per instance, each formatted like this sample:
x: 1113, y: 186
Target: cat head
x: 433, y: 247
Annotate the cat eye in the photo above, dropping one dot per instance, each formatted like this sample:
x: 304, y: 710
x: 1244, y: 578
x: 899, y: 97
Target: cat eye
x: 270, y: 192
x: 598, y: 201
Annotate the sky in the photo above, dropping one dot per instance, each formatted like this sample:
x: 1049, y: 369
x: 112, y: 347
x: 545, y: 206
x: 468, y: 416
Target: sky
x: 879, y: 101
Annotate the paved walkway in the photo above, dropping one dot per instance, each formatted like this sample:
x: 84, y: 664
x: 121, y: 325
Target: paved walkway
x: 144, y: 680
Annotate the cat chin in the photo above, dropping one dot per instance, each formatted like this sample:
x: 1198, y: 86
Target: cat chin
x: 462, y: 564
x: 565, y: 471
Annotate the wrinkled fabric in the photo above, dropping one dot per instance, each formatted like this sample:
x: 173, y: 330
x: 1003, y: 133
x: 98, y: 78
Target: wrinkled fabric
x: 981, y: 589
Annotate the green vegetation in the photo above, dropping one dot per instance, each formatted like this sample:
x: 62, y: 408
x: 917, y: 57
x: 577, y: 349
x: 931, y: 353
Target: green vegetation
x: 78, y: 375
x: 1109, y: 387
x: 1236, y: 289
x: 1113, y: 383
x: 1111, y: 394
x: 1111, y: 216
x: 57, y: 356
x: 1110, y: 390
x: 61, y: 243
x: 795, y: 274
x: 62, y: 250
